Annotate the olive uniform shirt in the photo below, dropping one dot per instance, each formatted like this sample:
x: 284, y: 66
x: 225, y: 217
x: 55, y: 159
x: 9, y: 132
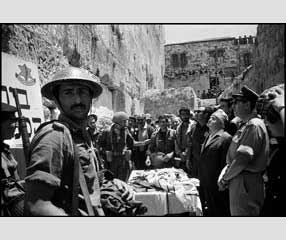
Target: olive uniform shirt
x: 52, y: 157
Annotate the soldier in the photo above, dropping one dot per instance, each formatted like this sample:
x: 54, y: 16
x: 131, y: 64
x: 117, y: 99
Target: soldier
x: 92, y: 129
x: 144, y: 133
x: 271, y: 106
x: 12, y: 191
x: 246, y: 158
x: 162, y: 146
x: 117, y: 143
x: 61, y: 156
x: 182, y: 136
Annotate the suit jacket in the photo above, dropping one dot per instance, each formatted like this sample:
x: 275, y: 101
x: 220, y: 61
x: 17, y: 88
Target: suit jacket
x: 213, y: 159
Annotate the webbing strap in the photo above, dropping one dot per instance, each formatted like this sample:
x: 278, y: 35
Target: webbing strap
x: 85, y: 192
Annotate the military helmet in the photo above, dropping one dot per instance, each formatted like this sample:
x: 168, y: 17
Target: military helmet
x: 118, y: 117
x: 72, y: 74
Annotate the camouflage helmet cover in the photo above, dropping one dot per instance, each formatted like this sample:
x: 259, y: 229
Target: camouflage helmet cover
x: 72, y: 74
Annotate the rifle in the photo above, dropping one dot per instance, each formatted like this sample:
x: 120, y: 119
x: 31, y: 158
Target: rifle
x: 22, y: 128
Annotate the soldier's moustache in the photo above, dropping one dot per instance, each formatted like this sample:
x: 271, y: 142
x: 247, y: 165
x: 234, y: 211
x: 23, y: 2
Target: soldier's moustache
x: 78, y: 105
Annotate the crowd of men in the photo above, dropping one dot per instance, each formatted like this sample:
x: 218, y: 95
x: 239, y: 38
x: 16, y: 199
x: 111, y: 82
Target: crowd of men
x: 74, y: 167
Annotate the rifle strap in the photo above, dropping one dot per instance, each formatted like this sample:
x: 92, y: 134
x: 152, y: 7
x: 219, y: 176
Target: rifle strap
x: 75, y: 188
x: 78, y: 176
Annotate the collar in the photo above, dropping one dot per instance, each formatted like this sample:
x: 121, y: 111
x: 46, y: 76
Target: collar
x: 72, y: 125
x: 217, y: 133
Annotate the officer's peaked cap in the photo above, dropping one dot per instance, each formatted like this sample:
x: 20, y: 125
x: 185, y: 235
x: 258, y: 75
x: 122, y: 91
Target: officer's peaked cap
x: 246, y: 94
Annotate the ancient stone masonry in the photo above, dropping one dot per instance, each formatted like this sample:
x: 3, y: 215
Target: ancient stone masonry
x: 129, y: 59
x: 268, y: 64
x: 208, y: 66
x: 169, y: 101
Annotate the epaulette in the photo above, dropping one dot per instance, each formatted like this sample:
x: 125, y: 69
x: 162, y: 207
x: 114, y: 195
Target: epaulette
x: 58, y: 126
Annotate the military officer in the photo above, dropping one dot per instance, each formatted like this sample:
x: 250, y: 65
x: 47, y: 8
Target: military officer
x: 246, y: 158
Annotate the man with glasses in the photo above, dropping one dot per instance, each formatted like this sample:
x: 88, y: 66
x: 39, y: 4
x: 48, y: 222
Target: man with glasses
x: 246, y: 158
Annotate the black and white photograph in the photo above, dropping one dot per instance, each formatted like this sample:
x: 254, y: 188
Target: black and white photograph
x: 137, y: 120
x: 142, y: 119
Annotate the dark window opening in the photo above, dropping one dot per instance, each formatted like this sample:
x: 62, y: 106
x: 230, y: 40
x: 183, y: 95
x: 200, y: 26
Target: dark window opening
x: 246, y: 59
x: 183, y: 60
x: 175, y: 60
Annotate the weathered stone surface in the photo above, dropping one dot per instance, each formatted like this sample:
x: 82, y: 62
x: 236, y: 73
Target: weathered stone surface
x: 169, y: 101
x: 129, y: 59
x: 268, y: 61
x: 198, y: 62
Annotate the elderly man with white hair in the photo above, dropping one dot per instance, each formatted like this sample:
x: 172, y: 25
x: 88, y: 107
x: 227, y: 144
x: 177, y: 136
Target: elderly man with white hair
x: 212, y: 161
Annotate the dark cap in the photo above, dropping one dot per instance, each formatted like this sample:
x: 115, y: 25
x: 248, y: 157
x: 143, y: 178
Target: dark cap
x: 6, y: 108
x: 246, y: 94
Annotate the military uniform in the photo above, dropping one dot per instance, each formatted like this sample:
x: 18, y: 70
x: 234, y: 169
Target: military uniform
x: 139, y: 153
x: 52, y: 157
x: 163, y: 142
x: 117, y: 145
x: 12, y: 188
x: 247, y: 159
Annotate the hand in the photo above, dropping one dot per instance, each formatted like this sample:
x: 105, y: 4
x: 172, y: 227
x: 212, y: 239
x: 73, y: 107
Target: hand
x: 167, y: 157
x: 183, y: 156
x: 222, y: 185
x: 147, y: 141
x: 128, y: 192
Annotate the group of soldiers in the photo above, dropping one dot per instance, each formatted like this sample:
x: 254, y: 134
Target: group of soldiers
x: 70, y: 163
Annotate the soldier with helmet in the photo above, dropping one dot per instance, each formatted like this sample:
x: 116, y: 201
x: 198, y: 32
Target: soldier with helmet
x: 12, y: 191
x: 61, y: 154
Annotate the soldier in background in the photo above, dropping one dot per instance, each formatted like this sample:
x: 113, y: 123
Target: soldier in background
x: 162, y: 146
x: 92, y: 129
x: 246, y: 158
x: 271, y: 106
x: 117, y: 144
x: 182, y: 150
x: 144, y: 133
x: 12, y: 190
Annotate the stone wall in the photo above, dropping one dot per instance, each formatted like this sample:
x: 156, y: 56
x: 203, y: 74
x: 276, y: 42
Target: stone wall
x: 268, y: 67
x: 129, y: 59
x: 169, y: 101
x: 207, y: 64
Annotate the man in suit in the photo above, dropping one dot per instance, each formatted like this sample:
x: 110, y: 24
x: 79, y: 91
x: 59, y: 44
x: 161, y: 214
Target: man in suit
x: 212, y: 161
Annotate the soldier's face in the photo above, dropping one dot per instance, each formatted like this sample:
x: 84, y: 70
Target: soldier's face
x: 75, y: 100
